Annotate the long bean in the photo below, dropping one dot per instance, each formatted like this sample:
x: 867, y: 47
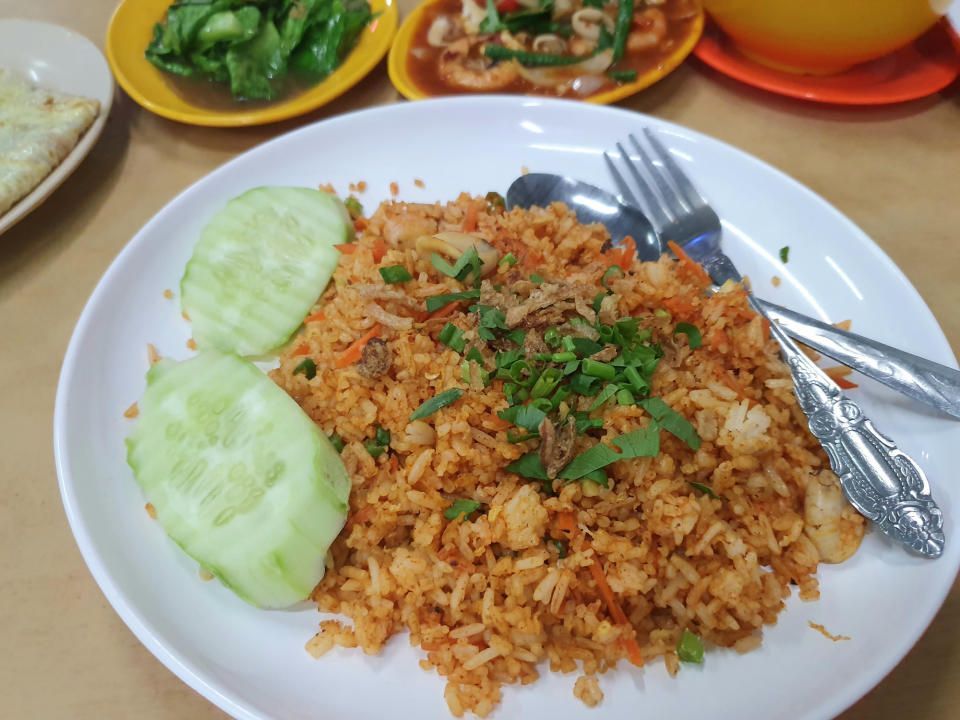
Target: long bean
x: 499, y: 52
x: 622, y: 28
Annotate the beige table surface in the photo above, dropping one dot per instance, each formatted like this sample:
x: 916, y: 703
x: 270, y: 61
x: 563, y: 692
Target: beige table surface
x: 895, y: 171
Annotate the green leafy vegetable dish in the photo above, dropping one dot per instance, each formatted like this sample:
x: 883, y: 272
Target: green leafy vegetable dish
x: 260, y: 50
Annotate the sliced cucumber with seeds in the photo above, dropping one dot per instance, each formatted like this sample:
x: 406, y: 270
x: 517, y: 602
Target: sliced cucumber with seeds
x: 260, y: 265
x: 240, y: 477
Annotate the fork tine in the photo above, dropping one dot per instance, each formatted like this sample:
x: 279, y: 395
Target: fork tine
x: 669, y: 195
x: 622, y: 184
x: 653, y: 205
x: 687, y: 189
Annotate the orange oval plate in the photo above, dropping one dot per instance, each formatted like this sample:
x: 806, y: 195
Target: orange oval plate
x: 131, y: 29
x: 404, y: 83
x: 922, y: 68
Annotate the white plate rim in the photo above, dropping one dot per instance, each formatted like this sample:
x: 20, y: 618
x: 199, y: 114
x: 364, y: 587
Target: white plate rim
x: 71, y: 162
x: 182, y: 666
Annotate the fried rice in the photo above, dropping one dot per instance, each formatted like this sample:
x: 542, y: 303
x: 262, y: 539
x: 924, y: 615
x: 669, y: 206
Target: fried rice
x: 574, y: 574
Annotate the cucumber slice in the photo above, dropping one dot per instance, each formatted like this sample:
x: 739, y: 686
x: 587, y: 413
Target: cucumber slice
x: 240, y: 477
x: 260, y: 265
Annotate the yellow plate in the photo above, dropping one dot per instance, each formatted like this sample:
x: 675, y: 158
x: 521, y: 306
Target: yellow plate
x: 131, y: 30
x: 404, y: 83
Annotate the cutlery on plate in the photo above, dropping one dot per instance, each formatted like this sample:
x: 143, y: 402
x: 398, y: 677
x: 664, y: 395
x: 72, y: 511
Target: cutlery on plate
x: 916, y: 377
x: 884, y: 483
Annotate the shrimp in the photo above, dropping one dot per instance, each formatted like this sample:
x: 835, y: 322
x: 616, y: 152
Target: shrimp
x: 649, y: 29
x: 834, y: 527
x: 463, y: 65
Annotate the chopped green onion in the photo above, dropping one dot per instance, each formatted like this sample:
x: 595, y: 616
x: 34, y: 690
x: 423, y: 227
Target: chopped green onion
x: 438, y: 301
x: 522, y: 374
x: 512, y: 438
x: 475, y: 356
x: 693, y: 335
x: 568, y: 343
x: 509, y: 391
x: 598, y: 301
x: 543, y: 404
x: 661, y: 313
x: 452, y: 337
x: 545, y: 384
x: 353, y: 207
x: 510, y: 259
x: 536, y: 279
x: 639, y: 384
x: 495, y: 200
x: 526, y: 416
x: 523, y: 394
x: 529, y: 466
x: 561, y: 547
x: 577, y: 320
x: 461, y: 508
x: 429, y: 407
x: 561, y: 394
x: 784, y: 253
x: 606, y: 334
x: 625, y: 397
x: 571, y: 366
x: 337, y: 442
x: 374, y: 449
x: 599, y: 456
x: 585, y: 422
x: 552, y: 337
x: 307, y: 368
x: 608, y: 392
x: 690, y: 648
x: 611, y: 271
x: 595, y: 368
x: 507, y: 358
x: 468, y: 263
x: 583, y: 384
x: 560, y: 357
x: 672, y: 421
x: 382, y: 436
x: 395, y: 274
x: 705, y: 489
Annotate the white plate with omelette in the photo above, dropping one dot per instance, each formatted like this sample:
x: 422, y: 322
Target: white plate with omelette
x: 55, y: 95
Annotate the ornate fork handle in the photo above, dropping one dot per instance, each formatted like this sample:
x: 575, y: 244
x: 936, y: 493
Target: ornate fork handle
x: 880, y: 480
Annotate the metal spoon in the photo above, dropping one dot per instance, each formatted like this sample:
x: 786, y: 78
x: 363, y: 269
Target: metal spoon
x: 918, y: 378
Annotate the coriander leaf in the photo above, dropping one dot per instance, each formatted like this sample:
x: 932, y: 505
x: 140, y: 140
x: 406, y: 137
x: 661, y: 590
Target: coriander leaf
x: 594, y: 458
x: 609, y: 390
x: 585, y: 422
x: 461, y: 508
x: 308, y: 368
x: 452, y: 337
x: 395, y: 274
x: 644, y: 442
x: 429, y: 407
x: 784, y: 253
x: 672, y: 421
x: 529, y: 466
x: 438, y: 301
x: 536, y: 279
x: 693, y: 335
x: 705, y: 489
x: 598, y: 476
x: 690, y: 648
x: 586, y: 347
x: 526, y: 416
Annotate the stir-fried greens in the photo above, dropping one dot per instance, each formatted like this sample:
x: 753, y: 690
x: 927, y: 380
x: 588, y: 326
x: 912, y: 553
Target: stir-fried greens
x: 252, y: 46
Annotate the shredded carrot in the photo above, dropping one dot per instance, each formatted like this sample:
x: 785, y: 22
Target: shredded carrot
x: 394, y: 463
x: 470, y: 219
x: 302, y: 350
x: 633, y: 651
x: 612, y: 605
x: 316, y: 317
x: 346, y: 248
x: 845, y: 384
x: 360, y: 224
x: 379, y: 249
x: 838, y: 371
x: 496, y: 422
x: 353, y: 353
x: 679, y: 306
x: 717, y: 338
x: 689, y: 263
x: 445, y: 310
x: 765, y: 324
x: 623, y: 255
x: 565, y: 522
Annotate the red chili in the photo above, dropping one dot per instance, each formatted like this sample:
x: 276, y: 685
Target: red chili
x: 508, y: 6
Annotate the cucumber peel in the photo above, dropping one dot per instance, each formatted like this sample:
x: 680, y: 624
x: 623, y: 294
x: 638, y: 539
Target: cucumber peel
x: 260, y: 265
x: 240, y: 477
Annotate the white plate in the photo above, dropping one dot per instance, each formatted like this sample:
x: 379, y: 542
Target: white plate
x: 55, y: 58
x: 252, y: 664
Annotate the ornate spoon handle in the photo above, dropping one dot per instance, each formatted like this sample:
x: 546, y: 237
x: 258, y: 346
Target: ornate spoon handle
x: 879, y: 479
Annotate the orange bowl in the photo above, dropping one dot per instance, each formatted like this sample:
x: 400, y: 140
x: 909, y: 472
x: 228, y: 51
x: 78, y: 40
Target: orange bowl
x: 822, y: 36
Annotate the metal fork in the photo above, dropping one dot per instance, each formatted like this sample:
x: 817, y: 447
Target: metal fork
x: 879, y: 479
